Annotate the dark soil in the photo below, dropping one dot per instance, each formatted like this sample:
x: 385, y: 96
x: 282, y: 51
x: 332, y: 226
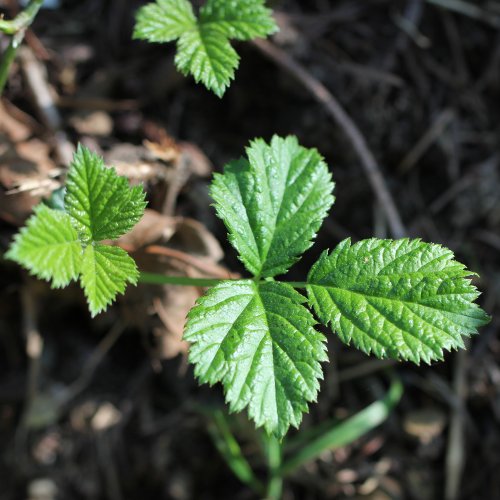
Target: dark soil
x: 422, y: 83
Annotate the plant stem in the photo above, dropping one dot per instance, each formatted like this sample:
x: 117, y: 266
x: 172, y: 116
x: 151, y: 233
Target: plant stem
x: 160, y: 279
x: 22, y: 20
x: 17, y: 28
x: 8, y: 57
x: 296, y: 284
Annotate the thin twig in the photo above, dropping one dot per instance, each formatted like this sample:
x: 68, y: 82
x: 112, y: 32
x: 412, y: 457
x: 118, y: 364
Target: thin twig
x: 34, y: 349
x: 455, y: 457
x: 326, y: 98
x: 469, y: 10
x: 36, y: 80
x: 93, y: 362
x: 425, y: 142
x: 204, y: 266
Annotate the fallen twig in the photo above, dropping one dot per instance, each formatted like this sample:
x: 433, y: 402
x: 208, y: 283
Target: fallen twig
x: 39, y: 87
x: 325, y: 97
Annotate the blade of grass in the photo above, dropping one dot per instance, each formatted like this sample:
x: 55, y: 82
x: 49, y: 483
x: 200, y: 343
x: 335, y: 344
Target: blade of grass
x: 347, y: 431
x: 228, y: 447
x: 274, y: 451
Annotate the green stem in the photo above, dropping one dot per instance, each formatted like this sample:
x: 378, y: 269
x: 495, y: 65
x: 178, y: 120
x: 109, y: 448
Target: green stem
x: 22, y: 20
x: 17, y: 28
x: 160, y: 279
x: 274, y: 455
x: 8, y: 57
x: 296, y: 284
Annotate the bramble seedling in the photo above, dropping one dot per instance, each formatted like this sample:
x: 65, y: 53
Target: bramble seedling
x: 203, y: 43
x: 403, y: 299
x: 63, y: 245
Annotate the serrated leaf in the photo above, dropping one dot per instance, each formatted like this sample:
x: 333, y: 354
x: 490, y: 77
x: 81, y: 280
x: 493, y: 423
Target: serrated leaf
x: 105, y: 273
x: 259, y: 341
x: 241, y: 19
x: 273, y: 203
x: 203, y: 48
x: 164, y: 21
x: 48, y: 247
x: 100, y: 203
x: 404, y: 299
x: 205, y: 53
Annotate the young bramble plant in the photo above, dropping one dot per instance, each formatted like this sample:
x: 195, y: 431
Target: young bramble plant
x: 403, y: 299
x: 64, y: 245
x: 203, y: 47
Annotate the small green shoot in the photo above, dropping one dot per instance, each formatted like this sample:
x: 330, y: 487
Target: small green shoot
x: 203, y: 43
x: 63, y: 245
x: 403, y: 299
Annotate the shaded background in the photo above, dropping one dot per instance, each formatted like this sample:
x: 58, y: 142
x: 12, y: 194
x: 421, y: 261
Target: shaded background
x: 108, y: 408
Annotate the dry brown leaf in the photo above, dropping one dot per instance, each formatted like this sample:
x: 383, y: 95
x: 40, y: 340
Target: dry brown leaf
x: 26, y: 175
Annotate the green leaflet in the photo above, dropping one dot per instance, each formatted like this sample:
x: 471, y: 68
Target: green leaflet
x: 404, y: 299
x: 205, y: 53
x: 273, y: 203
x: 105, y: 273
x: 48, y: 247
x: 164, y: 20
x: 62, y: 245
x: 259, y: 341
x: 203, y: 48
x: 101, y: 204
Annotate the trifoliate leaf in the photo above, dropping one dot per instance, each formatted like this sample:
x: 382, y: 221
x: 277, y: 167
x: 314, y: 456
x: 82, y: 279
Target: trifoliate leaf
x: 259, y: 341
x: 203, y: 48
x: 48, y: 247
x: 62, y: 245
x: 273, y: 203
x: 105, y: 273
x: 403, y: 299
x: 100, y: 203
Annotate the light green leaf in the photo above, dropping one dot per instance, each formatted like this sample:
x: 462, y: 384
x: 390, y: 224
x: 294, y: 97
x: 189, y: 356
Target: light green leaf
x: 259, y: 341
x: 403, y: 299
x: 241, y: 19
x: 206, y: 53
x: 105, y: 273
x: 48, y: 247
x: 273, y: 203
x: 203, y: 48
x: 164, y: 21
x: 100, y: 203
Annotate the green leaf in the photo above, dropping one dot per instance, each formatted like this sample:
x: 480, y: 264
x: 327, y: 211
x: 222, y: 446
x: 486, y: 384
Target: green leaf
x: 241, y: 19
x: 62, y: 245
x: 105, y: 273
x: 164, y: 21
x: 273, y: 203
x: 48, y: 247
x: 403, y: 299
x: 259, y: 341
x: 206, y: 53
x: 203, y: 48
x: 100, y: 203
